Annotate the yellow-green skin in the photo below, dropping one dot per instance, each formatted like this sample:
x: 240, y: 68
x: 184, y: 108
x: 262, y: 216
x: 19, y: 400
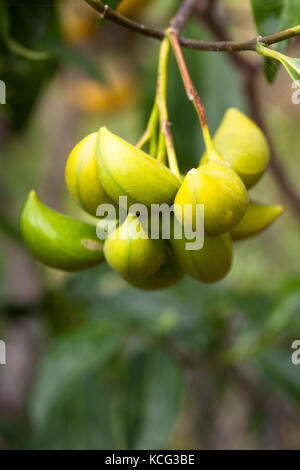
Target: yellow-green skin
x: 258, y: 217
x: 243, y: 145
x: 220, y: 190
x: 127, y: 171
x: 168, y: 275
x: 135, y: 258
x: 82, y: 177
x: 58, y: 240
x: 209, y: 264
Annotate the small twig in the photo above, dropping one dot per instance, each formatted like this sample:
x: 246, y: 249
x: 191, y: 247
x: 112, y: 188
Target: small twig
x: 155, y: 33
x: 179, y: 21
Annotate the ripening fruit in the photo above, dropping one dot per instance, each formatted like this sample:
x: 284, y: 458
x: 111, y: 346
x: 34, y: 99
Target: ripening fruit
x: 58, y: 240
x: 82, y: 177
x: 220, y: 190
x: 257, y: 218
x: 243, y: 145
x: 131, y: 7
x: 129, y: 251
x: 168, y: 275
x: 91, y: 96
x: 209, y: 264
x: 127, y: 171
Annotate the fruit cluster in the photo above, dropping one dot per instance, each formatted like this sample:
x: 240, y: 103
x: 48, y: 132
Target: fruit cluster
x: 103, y: 167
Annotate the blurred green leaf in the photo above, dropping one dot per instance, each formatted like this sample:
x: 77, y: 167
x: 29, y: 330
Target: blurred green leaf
x: 39, y: 23
x: 67, y: 361
x: 4, y: 19
x: 66, y: 54
x: 150, y: 399
x: 280, y: 373
x: 80, y: 420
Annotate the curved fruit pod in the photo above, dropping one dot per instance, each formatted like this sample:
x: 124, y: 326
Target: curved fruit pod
x: 220, y: 190
x: 58, y: 240
x: 168, y: 275
x: 244, y: 145
x: 127, y: 171
x: 82, y: 177
x: 258, y: 217
x: 209, y: 264
x: 129, y: 251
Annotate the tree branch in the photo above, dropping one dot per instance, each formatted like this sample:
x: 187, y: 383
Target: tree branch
x: 106, y: 12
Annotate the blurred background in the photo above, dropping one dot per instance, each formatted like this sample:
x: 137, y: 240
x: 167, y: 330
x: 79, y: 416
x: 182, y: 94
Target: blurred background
x: 91, y: 362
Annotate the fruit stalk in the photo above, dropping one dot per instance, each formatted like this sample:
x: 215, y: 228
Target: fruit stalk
x: 193, y: 95
x: 150, y: 132
x: 161, y: 100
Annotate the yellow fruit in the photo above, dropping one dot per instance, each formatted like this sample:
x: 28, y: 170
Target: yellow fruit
x: 129, y: 251
x: 168, y: 275
x: 209, y: 264
x: 243, y: 145
x: 125, y: 170
x: 82, y: 177
x: 220, y: 190
x: 257, y: 218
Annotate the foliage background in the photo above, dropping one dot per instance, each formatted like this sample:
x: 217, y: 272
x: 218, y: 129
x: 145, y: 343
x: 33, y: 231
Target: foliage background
x: 93, y: 363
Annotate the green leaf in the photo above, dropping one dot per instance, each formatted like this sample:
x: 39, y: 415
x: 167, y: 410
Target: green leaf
x: 39, y: 23
x: 162, y: 401
x: 270, y: 17
x: 292, y: 65
x: 58, y: 240
x: 150, y: 400
x: 267, y: 15
x: 68, y: 361
x: 81, y: 420
x: 279, y: 371
x: 67, y: 54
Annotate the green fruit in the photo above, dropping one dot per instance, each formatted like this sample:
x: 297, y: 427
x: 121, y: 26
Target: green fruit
x: 129, y: 251
x: 209, y: 264
x: 127, y: 171
x: 82, y: 177
x: 243, y: 145
x: 257, y: 218
x: 222, y: 193
x: 57, y: 240
x: 168, y: 275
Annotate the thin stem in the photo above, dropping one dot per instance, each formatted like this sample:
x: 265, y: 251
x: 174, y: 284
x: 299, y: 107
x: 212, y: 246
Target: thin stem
x: 150, y: 129
x: 162, y: 104
x: 230, y: 46
x: 194, y: 97
x: 161, y: 152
